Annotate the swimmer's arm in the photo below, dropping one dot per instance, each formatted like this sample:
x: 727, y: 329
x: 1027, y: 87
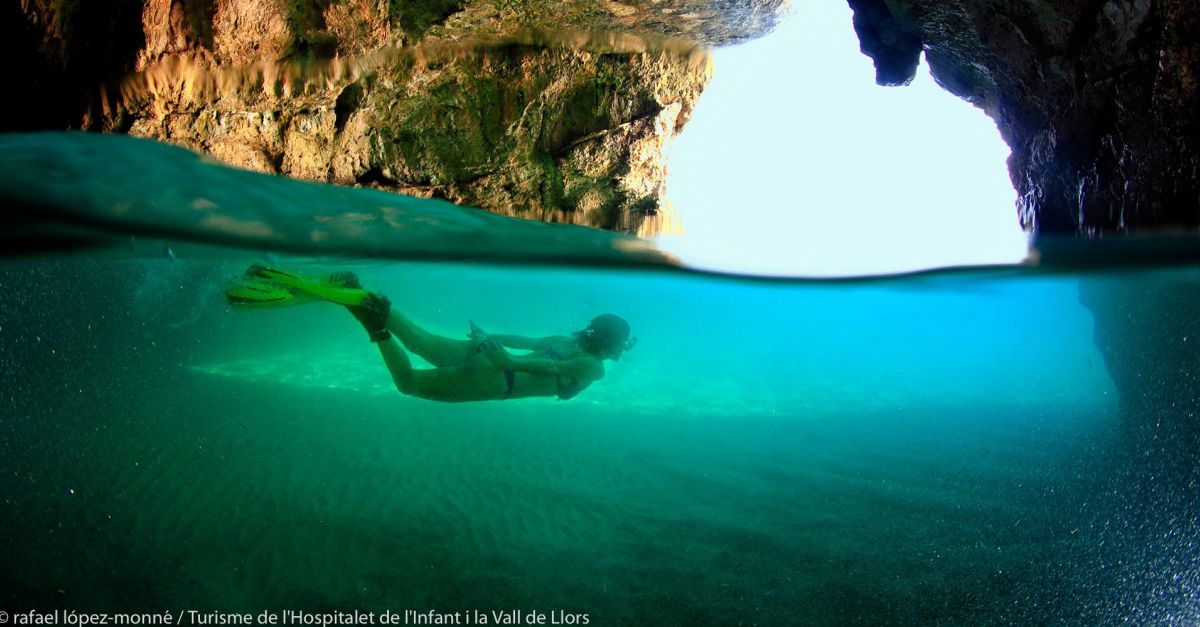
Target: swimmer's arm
x: 519, y: 342
x: 582, y: 368
x: 579, y: 368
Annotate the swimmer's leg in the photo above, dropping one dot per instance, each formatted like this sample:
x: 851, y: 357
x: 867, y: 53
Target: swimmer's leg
x: 398, y: 365
x: 436, y: 349
x: 373, y: 314
x: 449, y: 384
x: 378, y: 318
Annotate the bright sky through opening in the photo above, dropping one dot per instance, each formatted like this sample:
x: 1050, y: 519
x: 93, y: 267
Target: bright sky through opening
x: 796, y: 163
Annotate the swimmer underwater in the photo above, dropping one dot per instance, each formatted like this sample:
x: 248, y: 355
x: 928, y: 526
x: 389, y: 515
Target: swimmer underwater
x: 479, y: 368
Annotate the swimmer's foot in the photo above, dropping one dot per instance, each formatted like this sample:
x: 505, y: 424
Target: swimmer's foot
x: 256, y: 270
x: 373, y: 314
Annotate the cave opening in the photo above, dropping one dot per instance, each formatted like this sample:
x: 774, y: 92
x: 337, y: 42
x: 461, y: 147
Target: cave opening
x: 796, y: 163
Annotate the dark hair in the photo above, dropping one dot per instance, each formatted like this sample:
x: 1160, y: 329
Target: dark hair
x: 605, y: 330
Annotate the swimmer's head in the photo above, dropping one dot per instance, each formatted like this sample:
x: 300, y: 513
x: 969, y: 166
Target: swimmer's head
x: 606, y: 337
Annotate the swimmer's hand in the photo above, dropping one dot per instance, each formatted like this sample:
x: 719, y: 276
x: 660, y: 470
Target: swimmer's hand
x: 499, y: 357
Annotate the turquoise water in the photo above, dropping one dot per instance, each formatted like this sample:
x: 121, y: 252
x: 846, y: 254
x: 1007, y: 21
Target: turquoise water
x: 946, y: 449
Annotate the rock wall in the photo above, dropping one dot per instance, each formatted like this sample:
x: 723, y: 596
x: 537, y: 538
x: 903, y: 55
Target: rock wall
x: 1147, y: 331
x: 1097, y: 98
x: 467, y: 100
x: 59, y: 54
x: 554, y: 134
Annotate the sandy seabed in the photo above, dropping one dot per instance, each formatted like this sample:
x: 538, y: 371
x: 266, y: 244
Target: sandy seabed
x: 237, y: 495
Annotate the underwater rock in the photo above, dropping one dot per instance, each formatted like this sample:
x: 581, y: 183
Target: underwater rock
x: 437, y: 98
x: 1098, y: 100
x: 1147, y: 331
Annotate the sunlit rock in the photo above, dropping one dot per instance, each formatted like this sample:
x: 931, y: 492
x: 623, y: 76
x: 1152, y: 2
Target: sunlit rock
x: 546, y: 110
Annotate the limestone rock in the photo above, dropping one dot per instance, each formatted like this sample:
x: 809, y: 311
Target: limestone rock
x: 552, y: 134
x: 560, y: 126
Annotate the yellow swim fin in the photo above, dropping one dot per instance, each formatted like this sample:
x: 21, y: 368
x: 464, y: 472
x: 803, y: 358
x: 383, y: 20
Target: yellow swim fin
x: 338, y: 288
x: 252, y: 292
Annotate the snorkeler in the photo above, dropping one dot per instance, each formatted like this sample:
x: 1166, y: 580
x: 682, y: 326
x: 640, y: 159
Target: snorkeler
x: 479, y: 368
